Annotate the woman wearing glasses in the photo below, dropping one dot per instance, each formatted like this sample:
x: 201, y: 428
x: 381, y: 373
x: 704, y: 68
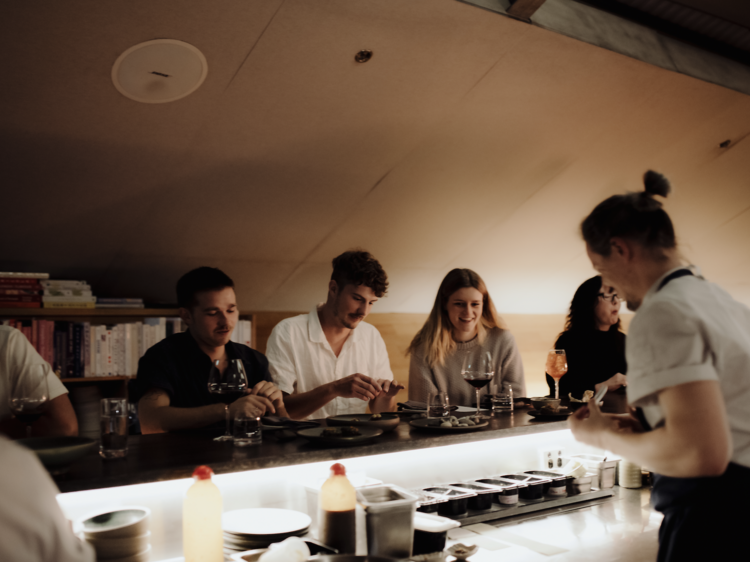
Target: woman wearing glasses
x: 593, y: 342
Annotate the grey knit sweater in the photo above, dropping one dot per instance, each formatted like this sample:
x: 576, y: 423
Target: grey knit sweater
x: 447, y: 377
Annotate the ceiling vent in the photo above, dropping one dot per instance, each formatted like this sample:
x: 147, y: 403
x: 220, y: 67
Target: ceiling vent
x: 159, y: 71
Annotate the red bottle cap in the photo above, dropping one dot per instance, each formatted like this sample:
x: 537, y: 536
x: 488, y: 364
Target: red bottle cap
x: 203, y: 472
x: 338, y: 469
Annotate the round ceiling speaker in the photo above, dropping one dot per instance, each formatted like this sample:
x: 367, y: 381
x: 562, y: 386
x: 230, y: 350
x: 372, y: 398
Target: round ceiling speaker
x: 159, y: 71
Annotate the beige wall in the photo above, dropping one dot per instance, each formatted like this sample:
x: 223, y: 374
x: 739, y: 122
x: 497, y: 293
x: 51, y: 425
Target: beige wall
x: 534, y: 333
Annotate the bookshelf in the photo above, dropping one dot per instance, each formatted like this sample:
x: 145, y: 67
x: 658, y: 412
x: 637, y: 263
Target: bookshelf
x: 98, y: 316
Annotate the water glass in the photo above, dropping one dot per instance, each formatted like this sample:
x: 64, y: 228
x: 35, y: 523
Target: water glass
x: 247, y: 431
x: 113, y: 428
x: 437, y: 405
x: 502, y: 398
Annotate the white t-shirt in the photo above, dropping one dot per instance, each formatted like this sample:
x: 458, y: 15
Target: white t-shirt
x: 692, y: 330
x: 18, y: 357
x: 32, y: 526
x: 301, y: 359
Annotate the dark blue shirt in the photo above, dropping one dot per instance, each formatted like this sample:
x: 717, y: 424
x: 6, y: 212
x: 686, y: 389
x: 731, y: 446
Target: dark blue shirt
x: 180, y: 368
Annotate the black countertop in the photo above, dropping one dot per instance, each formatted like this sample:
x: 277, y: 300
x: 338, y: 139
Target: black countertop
x: 169, y: 456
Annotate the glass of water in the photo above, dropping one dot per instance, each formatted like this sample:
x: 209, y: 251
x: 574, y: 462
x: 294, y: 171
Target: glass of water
x: 502, y: 399
x: 437, y: 405
x: 247, y: 430
x: 113, y: 428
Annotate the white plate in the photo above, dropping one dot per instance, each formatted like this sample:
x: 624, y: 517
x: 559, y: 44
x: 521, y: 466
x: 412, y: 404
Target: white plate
x: 264, y: 521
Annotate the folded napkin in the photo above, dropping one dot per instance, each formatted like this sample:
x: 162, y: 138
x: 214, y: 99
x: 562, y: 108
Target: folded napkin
x: 287, y: 423
x: 413, y: 405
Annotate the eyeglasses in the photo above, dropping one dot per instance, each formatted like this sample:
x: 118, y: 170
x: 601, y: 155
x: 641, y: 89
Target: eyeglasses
x: 611, y: 298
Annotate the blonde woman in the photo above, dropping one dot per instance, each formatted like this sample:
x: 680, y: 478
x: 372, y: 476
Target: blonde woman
x: 462, y: 319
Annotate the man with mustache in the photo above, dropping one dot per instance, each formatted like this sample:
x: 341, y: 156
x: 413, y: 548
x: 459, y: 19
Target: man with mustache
x: 172, y: 383
x: 329, y: 362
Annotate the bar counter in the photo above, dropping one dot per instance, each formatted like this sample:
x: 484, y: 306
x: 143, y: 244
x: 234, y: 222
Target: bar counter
x: 162, y: 457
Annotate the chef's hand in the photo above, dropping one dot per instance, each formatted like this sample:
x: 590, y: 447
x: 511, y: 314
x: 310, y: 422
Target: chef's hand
x: 613, y: 383
x: 589, y: 425
x: 249, y: 404
x: 357, y: 386
x: 389, y: 388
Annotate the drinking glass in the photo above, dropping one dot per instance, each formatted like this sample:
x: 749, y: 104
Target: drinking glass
x: 228, y: 387
x: 247, y: 429
x: 30, y: 396
x: 113, y: 428
x: 478, y: 370
x: 437, y: 404
x: 502, y: 399
x: 557, y: 366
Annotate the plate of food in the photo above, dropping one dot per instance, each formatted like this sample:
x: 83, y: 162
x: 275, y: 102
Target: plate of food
x: 551, y: 413
x: 450, y: 424
x: 385, y: 421
x: 343, y: 435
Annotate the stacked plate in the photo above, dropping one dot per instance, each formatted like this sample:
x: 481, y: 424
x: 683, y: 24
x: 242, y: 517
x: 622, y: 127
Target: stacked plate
x: 248, y: 529
x: 120, y: 535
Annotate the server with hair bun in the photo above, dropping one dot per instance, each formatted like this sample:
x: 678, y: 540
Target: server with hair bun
x: 688, y: 355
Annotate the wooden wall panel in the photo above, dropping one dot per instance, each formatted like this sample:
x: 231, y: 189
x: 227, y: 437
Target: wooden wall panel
x: 535, y: 334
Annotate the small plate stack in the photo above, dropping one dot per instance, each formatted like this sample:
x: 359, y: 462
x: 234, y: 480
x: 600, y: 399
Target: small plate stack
x: 120, y: 535
x: 248, y: 529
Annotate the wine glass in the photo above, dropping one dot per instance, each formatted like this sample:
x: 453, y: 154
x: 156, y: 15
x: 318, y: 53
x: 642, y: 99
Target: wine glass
x: 228, y: 387
x: 30, y: 396
x: 478, y: 371
x: 557, y: 366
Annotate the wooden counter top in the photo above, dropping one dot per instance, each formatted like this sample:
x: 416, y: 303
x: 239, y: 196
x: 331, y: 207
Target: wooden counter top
x: 154, y: 458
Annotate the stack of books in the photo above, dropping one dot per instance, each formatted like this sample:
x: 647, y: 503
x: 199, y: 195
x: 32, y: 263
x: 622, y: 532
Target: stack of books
x: 66, y: 293
x: 21, y: 290
x: 118, y: 303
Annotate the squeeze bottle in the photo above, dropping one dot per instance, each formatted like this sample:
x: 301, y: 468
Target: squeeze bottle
x: 337, y: 503
x: 202, y: 539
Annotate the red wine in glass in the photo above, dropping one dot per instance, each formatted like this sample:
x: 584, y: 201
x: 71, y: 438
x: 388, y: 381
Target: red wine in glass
x: 227, y: 386
x: 30, y: 396
x: 478, y: 370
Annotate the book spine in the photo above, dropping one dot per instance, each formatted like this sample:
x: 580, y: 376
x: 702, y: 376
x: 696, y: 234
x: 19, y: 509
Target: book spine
x: 65, y: 304
x: 21, y: 305
x: 18, y: 276
x: 86, y: 349
x: 77, y: 344
x: 98, y: 351
x: 18, y: 291
x: 70, y: 358
x: 109, y: 367
x: 35, y: 334
x: 19, y: 298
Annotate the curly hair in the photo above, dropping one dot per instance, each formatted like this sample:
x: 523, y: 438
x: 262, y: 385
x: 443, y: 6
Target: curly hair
x: 637, y: 216
x: 582, y: 314
x: 199, y: 280
x: 358, y: 267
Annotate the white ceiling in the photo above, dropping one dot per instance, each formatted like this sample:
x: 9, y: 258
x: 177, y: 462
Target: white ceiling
x: 469, y: 140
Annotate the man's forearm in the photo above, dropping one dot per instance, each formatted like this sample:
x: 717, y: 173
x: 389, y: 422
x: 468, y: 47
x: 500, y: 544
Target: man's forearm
x: 159, y: 419
x: 301, y: 406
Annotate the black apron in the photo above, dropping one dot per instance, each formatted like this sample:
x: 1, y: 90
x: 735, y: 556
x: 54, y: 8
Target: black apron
x: 705, y: 517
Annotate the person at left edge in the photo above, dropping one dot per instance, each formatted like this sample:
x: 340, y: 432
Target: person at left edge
x: 171, y: 387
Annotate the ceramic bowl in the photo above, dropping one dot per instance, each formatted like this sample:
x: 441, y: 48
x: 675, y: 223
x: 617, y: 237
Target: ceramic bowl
x: 123, y: 522
x: 144, y: 556
x: 541, y: 401
x: 107, y: 547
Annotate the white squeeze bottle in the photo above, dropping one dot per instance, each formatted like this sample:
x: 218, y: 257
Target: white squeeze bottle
x: 337, y: 502
x: 202, y: 539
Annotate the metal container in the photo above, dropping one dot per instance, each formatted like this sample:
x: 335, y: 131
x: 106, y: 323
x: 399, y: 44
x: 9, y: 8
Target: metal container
x: 389, y: 520
x: 580, y: 485
x: 483, y: 499
x: 534, y: 489
x: 427, y: 502
x: 558, y: 486
x: 507, y: 493
x: 605, y: 467
x: 458, y: 500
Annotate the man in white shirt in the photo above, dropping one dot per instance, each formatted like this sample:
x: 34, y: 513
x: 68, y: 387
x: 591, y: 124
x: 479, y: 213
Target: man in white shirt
x: 32, y: 526
x: 329, y: 362
x: 18, y: 358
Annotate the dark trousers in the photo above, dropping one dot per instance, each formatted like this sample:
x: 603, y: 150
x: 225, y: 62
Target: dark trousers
x: 704, y: 518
